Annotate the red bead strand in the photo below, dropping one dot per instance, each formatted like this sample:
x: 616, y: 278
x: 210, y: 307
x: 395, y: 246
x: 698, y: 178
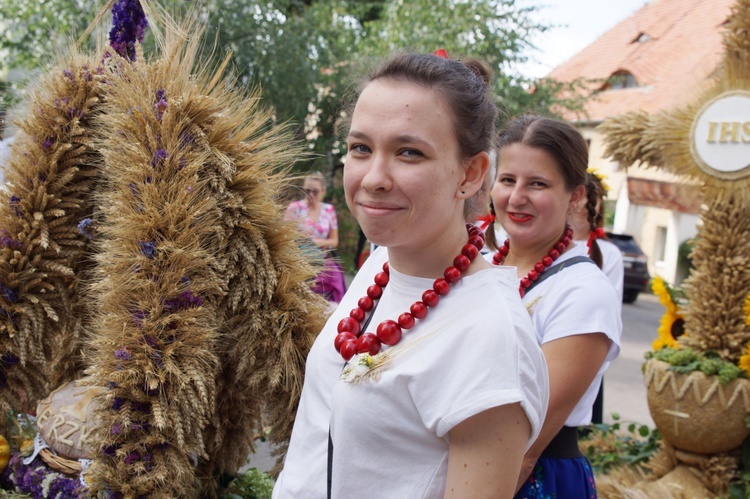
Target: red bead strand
x: 539, y: 267
x: 351, y: 340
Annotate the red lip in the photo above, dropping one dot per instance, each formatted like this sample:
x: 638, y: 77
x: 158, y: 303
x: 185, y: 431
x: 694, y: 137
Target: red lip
x: 519, y: 218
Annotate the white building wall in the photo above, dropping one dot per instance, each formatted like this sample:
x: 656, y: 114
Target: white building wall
x: 643, y: 222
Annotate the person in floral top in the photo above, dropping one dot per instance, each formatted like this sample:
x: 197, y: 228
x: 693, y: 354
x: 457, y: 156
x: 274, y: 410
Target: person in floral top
x: 318, y: 221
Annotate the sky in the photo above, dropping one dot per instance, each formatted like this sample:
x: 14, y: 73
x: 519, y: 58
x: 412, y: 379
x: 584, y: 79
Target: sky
x: 575, y: 24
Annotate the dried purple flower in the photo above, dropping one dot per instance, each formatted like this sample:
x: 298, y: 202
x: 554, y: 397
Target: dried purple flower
x: 139, y: 316
x: 159, y: 156
x: 148, y: 248
x: 32, y: 479
x: 48, y: 142
x: 185, y: 300
x: 8, y: 293
x: 8, y: 242
x: 87, y: 228
x: 122, y: 354
x: 161, y: 104
x: 150, y: 341
x: 14, y: 203
x: 9, y: 359
x: 132, y: 457
x: 128, y: 26
x: 116, y: 429
x: 186, y: 139
x: 70, y: 76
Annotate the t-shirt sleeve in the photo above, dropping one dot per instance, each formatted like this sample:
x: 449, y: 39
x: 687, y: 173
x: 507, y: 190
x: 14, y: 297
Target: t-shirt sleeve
x: 580, y: 302
x: 490, y: 359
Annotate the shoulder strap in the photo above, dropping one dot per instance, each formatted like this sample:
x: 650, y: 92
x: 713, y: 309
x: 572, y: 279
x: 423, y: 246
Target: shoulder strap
x: 558, y: 267
x: 330, y: 462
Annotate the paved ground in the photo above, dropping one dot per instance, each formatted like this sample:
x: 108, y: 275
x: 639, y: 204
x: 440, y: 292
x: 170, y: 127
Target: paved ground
x: 624, y: 391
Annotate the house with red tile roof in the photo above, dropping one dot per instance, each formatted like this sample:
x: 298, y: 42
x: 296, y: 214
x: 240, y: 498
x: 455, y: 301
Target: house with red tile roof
x: 658, y: 59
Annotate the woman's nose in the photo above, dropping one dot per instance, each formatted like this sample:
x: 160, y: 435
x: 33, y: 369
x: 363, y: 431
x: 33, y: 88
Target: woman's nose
x: 377, y: 175
x: 517, y: 196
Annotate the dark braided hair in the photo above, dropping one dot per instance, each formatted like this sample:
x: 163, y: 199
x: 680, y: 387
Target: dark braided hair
x: 595, y: 214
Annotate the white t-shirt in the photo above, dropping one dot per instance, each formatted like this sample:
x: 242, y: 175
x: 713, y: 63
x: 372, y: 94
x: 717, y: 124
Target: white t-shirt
x: 612, y: 264
x: 577, y: 300
x: 474, y: 351
x: 305, y: 466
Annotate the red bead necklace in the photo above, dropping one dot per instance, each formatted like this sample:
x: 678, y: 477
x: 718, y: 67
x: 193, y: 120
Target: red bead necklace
x: 350, y: 339
x: 540, y: 266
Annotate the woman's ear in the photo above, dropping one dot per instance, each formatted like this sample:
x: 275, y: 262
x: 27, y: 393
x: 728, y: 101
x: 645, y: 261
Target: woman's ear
x: 475, y: 170
x: 577, y: 198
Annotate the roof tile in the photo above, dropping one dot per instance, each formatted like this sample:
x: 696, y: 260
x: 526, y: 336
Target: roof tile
x: 671, y: 68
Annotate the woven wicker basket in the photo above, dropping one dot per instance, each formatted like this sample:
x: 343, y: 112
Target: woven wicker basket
x: 694, y: 412
x: 59, y: 463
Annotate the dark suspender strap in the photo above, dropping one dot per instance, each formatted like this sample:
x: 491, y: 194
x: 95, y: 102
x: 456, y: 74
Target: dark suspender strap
x: 557, y: 268
x: 330, y: 462
x: 330, y: 440
x: 564, y: 445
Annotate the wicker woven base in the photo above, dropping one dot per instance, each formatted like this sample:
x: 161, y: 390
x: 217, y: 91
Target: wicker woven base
x: 59, y: 463
x: 694, y: 412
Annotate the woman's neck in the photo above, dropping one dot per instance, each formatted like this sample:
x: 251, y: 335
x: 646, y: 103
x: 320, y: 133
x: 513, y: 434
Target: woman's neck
x: 581, y: 228
x: 524, y: 257
x: 431, y: 262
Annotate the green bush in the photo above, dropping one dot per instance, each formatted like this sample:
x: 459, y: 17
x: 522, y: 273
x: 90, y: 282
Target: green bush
x: 252, y: 484
x: 609, y: 446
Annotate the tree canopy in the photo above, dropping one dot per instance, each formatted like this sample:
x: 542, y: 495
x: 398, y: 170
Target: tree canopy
x: 306, y: 53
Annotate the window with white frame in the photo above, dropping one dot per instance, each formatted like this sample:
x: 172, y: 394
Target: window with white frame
x: 660, y: 249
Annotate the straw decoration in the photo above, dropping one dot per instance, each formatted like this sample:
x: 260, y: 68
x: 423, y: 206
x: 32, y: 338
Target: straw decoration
x: 717, y: 287
x: 142, y: 229
x: 43, y: 252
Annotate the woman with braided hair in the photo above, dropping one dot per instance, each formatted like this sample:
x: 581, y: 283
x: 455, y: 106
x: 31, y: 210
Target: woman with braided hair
x: 587, y: 221
x: 541, y: 181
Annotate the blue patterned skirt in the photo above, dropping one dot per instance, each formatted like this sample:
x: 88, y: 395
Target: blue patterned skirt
x: 555, y: 478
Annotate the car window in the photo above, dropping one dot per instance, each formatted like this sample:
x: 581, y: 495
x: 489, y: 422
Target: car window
x: 626, y: 244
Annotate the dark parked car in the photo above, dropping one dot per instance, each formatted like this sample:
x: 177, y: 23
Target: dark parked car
x: 636, y: 268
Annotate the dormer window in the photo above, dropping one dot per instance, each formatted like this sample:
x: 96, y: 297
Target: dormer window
x: 619, y: 80
x: 642, y: 37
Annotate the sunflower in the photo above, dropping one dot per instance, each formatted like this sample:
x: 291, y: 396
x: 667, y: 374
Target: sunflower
x: 671, y: 327
x: 672, y: 324
x: 660, y: 289
x: 744, y: 361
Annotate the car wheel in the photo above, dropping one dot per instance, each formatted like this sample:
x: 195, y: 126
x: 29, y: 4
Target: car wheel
x: 629, y: 296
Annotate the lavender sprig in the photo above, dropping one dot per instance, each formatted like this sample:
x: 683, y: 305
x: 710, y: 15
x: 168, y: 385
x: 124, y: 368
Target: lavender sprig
x: 128, y: 26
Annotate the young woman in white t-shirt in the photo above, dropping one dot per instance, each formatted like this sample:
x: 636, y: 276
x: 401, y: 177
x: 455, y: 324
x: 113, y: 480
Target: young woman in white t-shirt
x: 574, y: 308
x: 427, y: 381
